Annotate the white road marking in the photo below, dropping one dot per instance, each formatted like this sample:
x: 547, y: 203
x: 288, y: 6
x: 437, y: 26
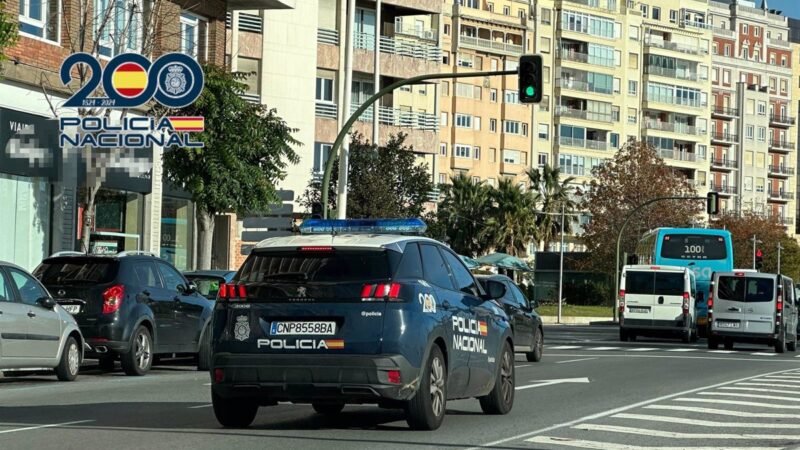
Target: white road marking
x: 776, y: 384
x: 765, y: 397
x: 724, y: 412
x: 542, y: 383
x: 642, y: 349
x: 678, y: 435
x: 705, y: 423
x: 764, y: 354
x: 782, y: 380
x: 574, y: 360
x: 596, y: 445
x: 206, y: 384
x: 524, y: 365
x: 735, y: 402
x: 51, y: 425
x: 735, y: 388
x: 683, y: 350
x: 723, y: 351
x: 199, y: 406
x: 564, y: 347
x: 603, y: 349
x: 621, y: 409
x: 662, y: 356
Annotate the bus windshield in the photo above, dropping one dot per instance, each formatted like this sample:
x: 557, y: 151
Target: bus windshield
x: 693, y: 247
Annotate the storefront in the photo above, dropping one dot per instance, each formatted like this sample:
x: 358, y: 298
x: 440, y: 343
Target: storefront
x: 177, y: 231
x: 119, y: 222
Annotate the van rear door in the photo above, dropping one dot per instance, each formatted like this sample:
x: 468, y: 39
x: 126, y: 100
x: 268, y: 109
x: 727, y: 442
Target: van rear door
x: 639, y: 294
x: 759, y: 309
x: 745, y: 302
x: 668, y: 292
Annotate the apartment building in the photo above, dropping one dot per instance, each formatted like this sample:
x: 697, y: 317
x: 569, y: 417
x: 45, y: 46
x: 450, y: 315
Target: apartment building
x: 753, y: 110
x: 794, y: 40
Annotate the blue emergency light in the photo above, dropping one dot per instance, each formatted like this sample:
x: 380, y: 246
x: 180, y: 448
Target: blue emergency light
x: 363, y: 226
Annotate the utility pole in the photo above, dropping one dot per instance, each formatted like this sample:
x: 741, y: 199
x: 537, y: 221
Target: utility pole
x: 376, y: 80
x: 754, y: 241
x: 561, y: 265
x: 780, y: 247
x: 341, y: 191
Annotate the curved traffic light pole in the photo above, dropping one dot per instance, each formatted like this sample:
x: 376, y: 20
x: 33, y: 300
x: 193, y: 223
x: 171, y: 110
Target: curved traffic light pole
x: 326, y: 178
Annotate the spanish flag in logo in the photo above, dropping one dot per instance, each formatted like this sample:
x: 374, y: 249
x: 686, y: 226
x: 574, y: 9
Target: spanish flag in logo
x: 482, y: 328
x: 129, y: 80
x: 334, y: 344
x: 188, y: 123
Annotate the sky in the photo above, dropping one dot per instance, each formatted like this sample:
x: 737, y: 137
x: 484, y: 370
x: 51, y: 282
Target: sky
x: 790, y: 8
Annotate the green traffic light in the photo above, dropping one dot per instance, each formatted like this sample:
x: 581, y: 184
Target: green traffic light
x: 529, y: 91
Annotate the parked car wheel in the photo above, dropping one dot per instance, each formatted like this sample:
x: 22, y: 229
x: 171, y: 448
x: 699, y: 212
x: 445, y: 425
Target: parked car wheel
x: 535, y: 355
x: 139, y: 358
x: 70, y: 363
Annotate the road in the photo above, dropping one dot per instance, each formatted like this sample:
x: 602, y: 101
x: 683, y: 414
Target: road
x: 589, y: 391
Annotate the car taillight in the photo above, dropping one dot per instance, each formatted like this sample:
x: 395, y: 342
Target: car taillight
x: 779, y: 302
x: 381, y: 292
x: 622, y: 300
x: 112, y: 298
x: 393, y: 376
x: 685, y: 303
x: 232, y: 292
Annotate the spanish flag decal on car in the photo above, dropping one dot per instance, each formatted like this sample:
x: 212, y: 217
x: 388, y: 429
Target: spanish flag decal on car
x: 482, y: 328
x: 334, y: 344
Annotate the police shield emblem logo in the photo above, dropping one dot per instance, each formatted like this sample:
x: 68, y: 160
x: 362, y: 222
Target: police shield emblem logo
x: 175, y: 80
x: 241, y: 330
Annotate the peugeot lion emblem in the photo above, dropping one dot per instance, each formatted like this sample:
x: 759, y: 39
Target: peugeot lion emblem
x: 301, y: 291
x: 62, y: 293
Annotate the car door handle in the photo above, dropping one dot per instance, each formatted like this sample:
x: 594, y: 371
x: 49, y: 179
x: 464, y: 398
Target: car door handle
x: 445, y: 305
x: 31, y: 314
x: 734, y: 309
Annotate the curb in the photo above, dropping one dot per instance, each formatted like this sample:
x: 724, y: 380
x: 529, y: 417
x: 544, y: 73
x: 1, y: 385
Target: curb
x: 573, y: 320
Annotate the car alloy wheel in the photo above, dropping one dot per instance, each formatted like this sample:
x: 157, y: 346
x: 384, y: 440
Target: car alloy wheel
x: 507, y: 377
x: 437, y: 387
x: 73, y: 359
x: 142, y: 351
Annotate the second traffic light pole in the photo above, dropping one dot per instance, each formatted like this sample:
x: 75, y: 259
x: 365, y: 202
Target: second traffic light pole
x: 326, y: 178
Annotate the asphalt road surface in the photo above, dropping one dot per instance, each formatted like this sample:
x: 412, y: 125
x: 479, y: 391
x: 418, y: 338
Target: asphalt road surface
x: 589, y: 391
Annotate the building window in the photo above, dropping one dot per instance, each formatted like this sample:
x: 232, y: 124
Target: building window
x: 445, y: 86
x: 447, y: 29
x: 443, y: 118
x: 324, y: 90
x: 40, y: 18
x: 544, y: 45
x: 442, y: 178
x: 514, y: 127
x: 463, y: 120
x: 656, y: 13
x: 462, y: 151
x: 714, y: 49
x: 493, y: 125
x: 644, y: 9
x: 443, y: 149
x: 506, y: 11
x: 321, y: 153
x: 673, y: 16
x: 512, y: 157
x: 476, y: 153
x: 750, y: 132
x: 492, y: 155
x: 727, y: 50
x: 470, y: 3
x: 194, y: 36
x: 511, y: 97
x: 631, y: 115
x: 748, y: 183
x: 632, y: 87
x: 756, y: 31
x: 446, y: 58
x: 633, y: 60
x: 614, y: 137
x: 493, y: 95
x: 476, y: 180
x: 546, y: 16
x: 784, y: 86
x: 783, y: 61
x: 762, y: 134
x: 726, y: 77
x: 121, y: 28
x: 544, y: 131
x: 762, y: 108
x: 542, y: 159
x: 252, y: 68
x: 745, y: 30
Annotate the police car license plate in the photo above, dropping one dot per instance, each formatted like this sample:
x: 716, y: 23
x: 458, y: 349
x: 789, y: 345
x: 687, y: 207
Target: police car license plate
x: 303, y: 328
x: 72, y: 309
x: 727, y: 324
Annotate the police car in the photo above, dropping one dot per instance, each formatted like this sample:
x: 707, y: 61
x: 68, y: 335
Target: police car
x: 358, y: 312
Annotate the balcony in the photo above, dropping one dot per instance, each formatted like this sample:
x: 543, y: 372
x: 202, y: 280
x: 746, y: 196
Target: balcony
x: 781, y: 171
x: 724, y: 138
x: 411, y: 30
x: 673, y: 127
x: 604, y: 5
x: 572, y: 55
x: 723, y: 189
x: 326, y: 110
x: 695, y: 24
x: 778, y: 120
x: 677, y: 155
x: 393, y: 46
x: 772, y: 42
x: 780, y: 194
x: 400, y: 118
x: 582, y: 86
x: 784, y: 220
x: 674, y: 46
x: 582, y: 143
x: 673, y: 100
x: 781, y: 146
x: 489, y: 45
x: 724, y: 32
x: 671, y: 73
x: 326, y: 36
x: 724, y: 111
x: 565, y: 111
x: 724, y: 163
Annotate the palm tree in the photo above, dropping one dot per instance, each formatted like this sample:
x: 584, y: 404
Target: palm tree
x: 553, y: 193
x: 463, y: 212
x: 512, y: 222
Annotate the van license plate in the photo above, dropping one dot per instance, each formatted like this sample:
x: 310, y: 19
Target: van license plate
x: 303, y: 328
x: 728, y: 324
x: 639, y: 310
x: 72, y: 309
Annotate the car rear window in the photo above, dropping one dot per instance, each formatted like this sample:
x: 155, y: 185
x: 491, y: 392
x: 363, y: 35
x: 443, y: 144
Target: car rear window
x: 74, y: 271
x: 654, y: 283
x: 337, y: 266
x: 745, y: 289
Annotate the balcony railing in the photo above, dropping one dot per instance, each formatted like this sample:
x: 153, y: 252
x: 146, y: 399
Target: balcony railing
x: 674, y: 127
x: 724, y: 32
x: 565, y: 111
x: 723, y: 188
x: 571, y: 55
x: 674, y: 46
x: 724, y: 111
x: 780, y: 193
x: 724, y: 137
x: 489, y: 45
x: 326, y: 36
x: 778, y: 43
x: 399, y: 47
x: 784, y: 220
x: 252, y: 98
x: 326, y: 110
x: 677, y: 155
x: 400, y: 118
x: 696, y: 103
x: 782, y: 170
x: 781, y: 145
x: 781, y: 119
x: 724, y: 162
x: 410, y: 30
x: 695, y: 24
x: 583, y: 143
x: 671, y: 73
x: 607, y: 5
x: 580, y: 85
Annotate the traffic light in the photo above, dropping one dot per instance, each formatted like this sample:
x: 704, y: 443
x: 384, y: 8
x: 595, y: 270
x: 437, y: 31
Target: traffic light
x: 712, y: 203
x: 530, y: 79
x: 759, y: 259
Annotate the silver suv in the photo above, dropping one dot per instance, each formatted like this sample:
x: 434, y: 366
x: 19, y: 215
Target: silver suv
x: 35, y: 332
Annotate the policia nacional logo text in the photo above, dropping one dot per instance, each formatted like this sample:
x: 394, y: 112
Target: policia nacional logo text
x: 469, y: 335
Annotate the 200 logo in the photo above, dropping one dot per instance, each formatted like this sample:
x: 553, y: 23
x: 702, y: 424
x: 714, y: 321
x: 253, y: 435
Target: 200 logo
x: 130, y: 80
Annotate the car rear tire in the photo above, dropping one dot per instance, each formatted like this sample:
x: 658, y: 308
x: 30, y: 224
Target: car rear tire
x: 535, y: 355
x: 501, y: 399
x: 623, y: 335
x: 230, y: 413
x: 780, y: 343
x: 204, y: 352
x: 328, y: 409
x: 713, y: 343
x: 728, y: 344
x: 70, y: 363
x: 425, y: 411
x: 139, y: 358
x: 792, y: 345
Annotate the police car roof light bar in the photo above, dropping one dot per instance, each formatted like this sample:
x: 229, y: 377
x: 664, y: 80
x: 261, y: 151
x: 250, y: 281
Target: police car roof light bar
x: 363, y: 226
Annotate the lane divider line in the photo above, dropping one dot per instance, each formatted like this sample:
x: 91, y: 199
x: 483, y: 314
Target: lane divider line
x: 597, y: 445
x: 50, y: 425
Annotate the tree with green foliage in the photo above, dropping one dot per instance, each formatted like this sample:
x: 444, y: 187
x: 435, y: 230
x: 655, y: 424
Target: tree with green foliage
x: 247, y: 149
x: 9, y: 30
x: 382, y: 181
x: 462, y: 214
x: 512, y: 218
x: 551, y: 193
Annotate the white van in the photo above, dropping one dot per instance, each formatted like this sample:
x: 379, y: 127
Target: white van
x: 746, y: 306
x: 657, y: 300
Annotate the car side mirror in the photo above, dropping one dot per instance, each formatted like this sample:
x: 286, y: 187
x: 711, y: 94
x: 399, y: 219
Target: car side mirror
x: 534, y: 304
x: 495, y: 290
x: 191, y: 287
x: 46, y: 302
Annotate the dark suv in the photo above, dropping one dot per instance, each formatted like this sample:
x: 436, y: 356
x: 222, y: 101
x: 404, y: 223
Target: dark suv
x: 132, y: 306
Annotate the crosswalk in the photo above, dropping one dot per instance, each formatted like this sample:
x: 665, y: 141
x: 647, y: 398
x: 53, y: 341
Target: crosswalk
x: 736, y: 415
x: 767, y: 352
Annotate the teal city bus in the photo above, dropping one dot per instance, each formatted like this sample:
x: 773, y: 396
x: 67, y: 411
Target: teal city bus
x: 703, y: 250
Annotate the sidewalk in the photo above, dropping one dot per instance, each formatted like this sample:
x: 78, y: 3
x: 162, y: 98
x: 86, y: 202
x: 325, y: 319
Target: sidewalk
x: 575, y: 320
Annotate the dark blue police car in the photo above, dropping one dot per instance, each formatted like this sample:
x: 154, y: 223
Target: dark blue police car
x: 344, y: 314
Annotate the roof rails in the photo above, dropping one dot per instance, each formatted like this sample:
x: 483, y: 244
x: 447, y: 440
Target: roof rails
x: 136, y: 253
x: 67, y: 253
